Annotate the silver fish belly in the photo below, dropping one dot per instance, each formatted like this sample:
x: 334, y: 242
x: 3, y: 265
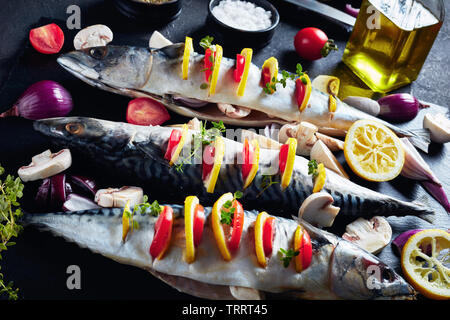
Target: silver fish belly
x: 338, y: 269
x: 138, y: 151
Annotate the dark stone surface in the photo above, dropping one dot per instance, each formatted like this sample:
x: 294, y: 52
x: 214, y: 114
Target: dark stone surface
x: 38, y: 262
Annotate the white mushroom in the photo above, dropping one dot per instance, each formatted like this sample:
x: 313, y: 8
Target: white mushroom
x: 235, y: 112
x: 326, y: 84
x: 157, y: 41
x: 45, y: 165
x: 243, y: 293
x: 318, y: 210
x: 117, y: 198
x: 439, y: 126
x: 304, y: 132
x: 372, y: 235
x: 322, y: 154
x: 93, y: 36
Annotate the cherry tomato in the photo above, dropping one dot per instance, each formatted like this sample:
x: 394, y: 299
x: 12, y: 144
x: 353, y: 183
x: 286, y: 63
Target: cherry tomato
x: 163, y: 233
x: 248, y: 154
x: 268, y: 235
x: 208, y: 64
x: 237, y: 226
x: 47, y: 39
x: 240, y: 65
x: 208, y: 161
x: 199, y: 222
x: 313, y: 44
x: 174, y: 140
x: 284, y: 150
x: 146, y: 112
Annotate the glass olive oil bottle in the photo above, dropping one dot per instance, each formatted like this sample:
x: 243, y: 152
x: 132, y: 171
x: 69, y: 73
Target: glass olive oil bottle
x: 391, y: 40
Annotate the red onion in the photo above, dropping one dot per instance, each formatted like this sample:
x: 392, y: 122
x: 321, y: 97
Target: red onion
x: 76, y: 202
x: 351, y: 11
x: 83, y: 184
x: 399, y: 107
x: 190, y: 102
x: 44, y: 99
x: 400, y: 241
x: 438, y: 193
x: 58, y: 191
x: 42, y: 195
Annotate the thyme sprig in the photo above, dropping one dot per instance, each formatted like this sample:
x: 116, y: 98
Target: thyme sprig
x: 266, y: 182
x: 142, y: 208
x: 271, y: 87
x: 287, y: 255
x: 227, y: 212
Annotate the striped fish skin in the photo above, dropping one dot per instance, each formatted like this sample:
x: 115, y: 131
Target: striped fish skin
x: 136, y: 71
x: 339, y: 269
x: 137, y: 151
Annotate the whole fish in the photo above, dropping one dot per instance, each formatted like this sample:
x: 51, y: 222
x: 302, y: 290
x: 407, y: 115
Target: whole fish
x: 339, y: 269
x: 137, y: 72
x: 137, y: 152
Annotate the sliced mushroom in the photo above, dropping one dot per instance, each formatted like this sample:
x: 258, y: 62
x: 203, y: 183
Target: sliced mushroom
x: 318, y: 210
x: 372, y: 235
x: 93, y: 36
x: 235, y: 112
x: 117, y: 198
x: 332, y: 143
x: 322, y: 154
x: 326, y: 84
x: 439, y: 126
x: 263, y: 141
x: 304, y: 132
x: 243, y: 293
x: 157, y: 41
x: 45, y: 165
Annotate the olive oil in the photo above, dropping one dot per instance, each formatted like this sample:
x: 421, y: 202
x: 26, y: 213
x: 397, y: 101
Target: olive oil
x: 390, y: 42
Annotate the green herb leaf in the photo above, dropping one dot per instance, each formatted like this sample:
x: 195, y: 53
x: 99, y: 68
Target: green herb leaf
x: 204, y: 86
x: 206, y: 42
x: 155, y: 208
x: 238, y: 194
x: 266, y: 182
x: 287, y: 255
x: 313, y: 168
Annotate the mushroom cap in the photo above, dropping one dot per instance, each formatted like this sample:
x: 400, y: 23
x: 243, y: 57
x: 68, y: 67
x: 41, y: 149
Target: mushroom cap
x: 318, y: 210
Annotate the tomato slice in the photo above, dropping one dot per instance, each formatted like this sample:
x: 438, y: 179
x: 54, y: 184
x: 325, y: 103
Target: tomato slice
x: 284, y: 150
x: 266, y: 76
x: 208, y: 64
x: 208, y: 161
x: 302, y: 91
x: 237, y: 226
x: 163, y: 233
x: 48, y: 39
x: 174, y: 140
x: 248, y: 154
x: 302, y: 243
x: 268, y: 235
x: 240, y: 65
x: 146, y: 112
x: 199, y: 222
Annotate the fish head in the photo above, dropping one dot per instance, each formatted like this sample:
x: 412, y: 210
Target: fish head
x: 119, y: 69
x: 357, y: 274
x: 87, y: 135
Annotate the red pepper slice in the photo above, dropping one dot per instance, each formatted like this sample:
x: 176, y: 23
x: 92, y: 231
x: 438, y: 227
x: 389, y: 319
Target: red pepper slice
x: 163, y: 233
x: 268, y: 235
x: 240, y: 65
x: 284, y: 150
x: 208, y: 64
x: 199, y: 222
x: 266, y: 76
x: 237, y: 226
x: 248, y: 154
x: 47, y: 39
x: 174, y: 140
x: 208, y: 161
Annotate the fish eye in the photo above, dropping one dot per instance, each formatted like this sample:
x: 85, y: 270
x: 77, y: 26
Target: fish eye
x: 74, y: 128
x: 98, y: 52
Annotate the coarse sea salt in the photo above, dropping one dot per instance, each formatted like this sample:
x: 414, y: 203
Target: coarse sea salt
x: 242, y: 15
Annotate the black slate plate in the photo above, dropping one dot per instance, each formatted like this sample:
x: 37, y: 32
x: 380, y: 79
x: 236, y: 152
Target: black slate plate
x: 39, y: 261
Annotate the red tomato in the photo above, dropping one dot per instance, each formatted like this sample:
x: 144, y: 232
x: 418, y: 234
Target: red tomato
x: 47, y: 39
x: 208, y: 64
x: 300, y: 91
x: 199, y: 222
x: 268, y: 235
x: 313, y: 44
x: 237, y: 226
x: 266, y: 77
x: 240, y: 65
x: 163, y: 233
x: 174, y: 139
x: 248, y: 154
x: 284, y: 150
x: 146, y: 112
x: 208, y: 160
x: 306, y: 250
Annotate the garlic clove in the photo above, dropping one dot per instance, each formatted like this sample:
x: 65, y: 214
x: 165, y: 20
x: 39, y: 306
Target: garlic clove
x: 367, y: 105
x: 45, y: 165
x: 439, y: 126
x: 322, y: 154
x: 415, y: 167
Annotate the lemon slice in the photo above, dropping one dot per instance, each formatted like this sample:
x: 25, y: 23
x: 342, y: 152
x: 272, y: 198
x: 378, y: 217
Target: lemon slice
x: 319, y: 182
x: 188, y: 48
x: 125, y: 221
x: 247, y: 53
x: 272, y: 64
x: 219, y: 234
x: 373, y: 151
x: 219, y: 152
x: 332, y: 104
x: 255, y: 165
x: 189, y: 207
x: 216, y: 68
x: 307, y: 93
x: 426, y: 263
x: 176, y: 153
x: 259, y: 246
x: 289, y: 169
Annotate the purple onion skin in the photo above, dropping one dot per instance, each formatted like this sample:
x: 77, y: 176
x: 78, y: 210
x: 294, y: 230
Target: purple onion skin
x: 58, y: 191
x: 43, y: 99
x: 438, y: 193
x: 399, y: 107
x: 43, y: 194
x: 400, y: 241
x: 83, y: 184
x: 75, y: 202
x: 351, y: 11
